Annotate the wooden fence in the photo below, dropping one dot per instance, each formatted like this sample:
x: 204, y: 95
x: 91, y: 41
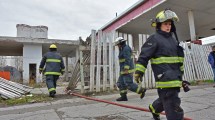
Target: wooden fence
x: 104, y: 65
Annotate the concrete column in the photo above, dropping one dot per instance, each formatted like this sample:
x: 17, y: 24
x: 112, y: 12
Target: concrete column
x: 32, y: 54
x: 191, y: 25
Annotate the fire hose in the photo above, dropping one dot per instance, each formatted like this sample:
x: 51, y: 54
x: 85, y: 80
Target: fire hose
x: 118, y: 104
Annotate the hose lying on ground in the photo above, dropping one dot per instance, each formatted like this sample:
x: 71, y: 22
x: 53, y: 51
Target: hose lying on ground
x: 117, y: 104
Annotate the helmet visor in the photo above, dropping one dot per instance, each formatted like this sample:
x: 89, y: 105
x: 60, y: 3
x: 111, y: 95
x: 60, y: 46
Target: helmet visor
x: 167, y: 15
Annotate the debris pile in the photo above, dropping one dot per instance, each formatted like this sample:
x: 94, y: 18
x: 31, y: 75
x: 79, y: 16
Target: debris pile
x: 9, y: 89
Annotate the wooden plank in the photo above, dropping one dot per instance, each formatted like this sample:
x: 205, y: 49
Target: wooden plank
x: 81, y: 72
x: 130, y: 39
x: 110, y: 40
x: 98, y: 69
x: 148, y: 71
x: 116, y: 59
x: 92, y: 60
x: 104, y: 62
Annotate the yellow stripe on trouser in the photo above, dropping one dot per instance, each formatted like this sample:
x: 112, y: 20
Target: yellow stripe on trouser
x: 52, y: 89
x: 123, y: 91
x: 153, y: 110
x: 138, y: 89
x: 169, y: 84
x: 52, y: 73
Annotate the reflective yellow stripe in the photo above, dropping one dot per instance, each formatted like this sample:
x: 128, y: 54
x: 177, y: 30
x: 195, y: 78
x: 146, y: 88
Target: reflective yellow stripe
x: 123, y: 91
x: 181, y: 59
x: 169, y: 84
x: 182, y: 68
x: 138, y: 89
x: 153, y: 110
x: 52, y: 89
x: 140, y: 67
x: 129, y: 71
x: 40, y: 68
x: 52, y: 73
x: 121, y: 60
x: 53, y: 60
x: 126, y: 67
x: 161, y: 60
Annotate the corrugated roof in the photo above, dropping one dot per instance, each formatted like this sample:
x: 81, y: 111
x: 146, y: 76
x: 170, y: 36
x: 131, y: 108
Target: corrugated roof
x: 9, y: 89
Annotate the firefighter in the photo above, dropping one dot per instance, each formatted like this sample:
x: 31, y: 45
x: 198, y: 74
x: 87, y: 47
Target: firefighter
x: 125, y: 80
x: 53, y: 69
x: 166, y: 56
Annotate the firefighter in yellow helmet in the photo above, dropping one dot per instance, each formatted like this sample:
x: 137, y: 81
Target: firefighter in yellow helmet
x: 54, y: 67
x: 166, y: 57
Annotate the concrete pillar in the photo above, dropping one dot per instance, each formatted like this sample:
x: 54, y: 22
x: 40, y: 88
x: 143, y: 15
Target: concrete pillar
x: 191, y: 25
x: 32, y: 54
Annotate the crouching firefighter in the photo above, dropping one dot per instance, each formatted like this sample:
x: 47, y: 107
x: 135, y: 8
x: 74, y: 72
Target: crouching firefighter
x: 53, y: 69
x: 125, y: 80
x: 167, y: 64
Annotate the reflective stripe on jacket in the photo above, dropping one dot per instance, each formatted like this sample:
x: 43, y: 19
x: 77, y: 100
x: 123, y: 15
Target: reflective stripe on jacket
x: 53, y: 63
x: 166, y: 61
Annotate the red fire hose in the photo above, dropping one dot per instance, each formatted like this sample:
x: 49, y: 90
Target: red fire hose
x: 118, y: 104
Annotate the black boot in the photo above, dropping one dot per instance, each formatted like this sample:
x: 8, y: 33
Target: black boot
x: 142, y: 93
x: 52, y: 94
x: 155, y: 116
x: 122, y: 98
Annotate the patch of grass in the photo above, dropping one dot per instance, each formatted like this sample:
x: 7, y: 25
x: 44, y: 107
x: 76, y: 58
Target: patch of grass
x: 25, y: 99
x: 201, y: 82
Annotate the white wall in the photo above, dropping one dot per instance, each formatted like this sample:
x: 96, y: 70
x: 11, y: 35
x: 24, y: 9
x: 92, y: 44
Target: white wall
x: 208, y: 40
x: 32, y: 54
x: 32, y: 31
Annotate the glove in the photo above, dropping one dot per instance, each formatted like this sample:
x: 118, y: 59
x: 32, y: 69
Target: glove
x: 185, y: 86
x: 126, y: 71
x: 138, y: 76
x: 40, y: 71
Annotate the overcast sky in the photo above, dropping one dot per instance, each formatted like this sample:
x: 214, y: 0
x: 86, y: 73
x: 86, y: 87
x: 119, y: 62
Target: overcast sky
x: 66, y: 19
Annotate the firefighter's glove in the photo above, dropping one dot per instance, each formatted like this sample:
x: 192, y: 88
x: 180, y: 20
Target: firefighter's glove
x: 40, y: 71
x: 185, y: 85
x: 126, y: 71
x: 138, y: 76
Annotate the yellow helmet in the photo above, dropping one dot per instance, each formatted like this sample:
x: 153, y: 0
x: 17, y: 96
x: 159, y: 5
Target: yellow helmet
x: 53, y: 46
x: 165, y: 15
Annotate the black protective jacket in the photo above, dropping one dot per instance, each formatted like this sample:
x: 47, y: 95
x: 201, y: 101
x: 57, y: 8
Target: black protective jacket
x: 125, y: 59
x: 54, y: 63
x: 166, y: 58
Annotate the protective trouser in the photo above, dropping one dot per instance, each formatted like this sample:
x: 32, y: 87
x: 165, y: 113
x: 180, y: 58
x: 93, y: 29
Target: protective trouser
x: 125, y: 82
x: 169, y: 102
x: 51, y: 82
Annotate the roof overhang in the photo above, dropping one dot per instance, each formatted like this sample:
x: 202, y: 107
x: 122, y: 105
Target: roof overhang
x: 141, y: 14
x: 13, y: 46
